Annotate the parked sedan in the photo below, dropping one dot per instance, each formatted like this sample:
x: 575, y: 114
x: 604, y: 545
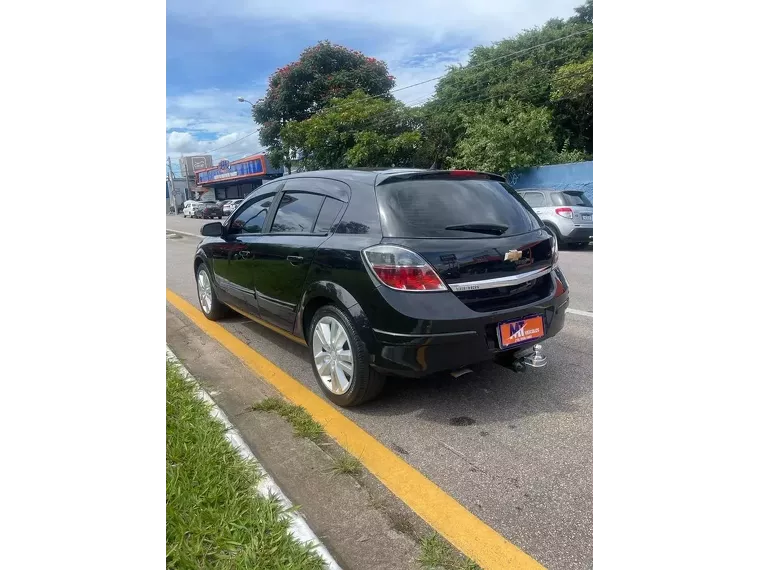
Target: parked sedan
x: 402, y: 272
x: 208, y: 210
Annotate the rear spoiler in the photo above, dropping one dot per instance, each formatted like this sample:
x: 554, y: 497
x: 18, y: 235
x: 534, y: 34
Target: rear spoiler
x: 400, y: 176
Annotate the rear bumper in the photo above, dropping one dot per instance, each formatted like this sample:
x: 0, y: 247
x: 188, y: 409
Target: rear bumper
x: 467, y: 340
x: 579, y: 235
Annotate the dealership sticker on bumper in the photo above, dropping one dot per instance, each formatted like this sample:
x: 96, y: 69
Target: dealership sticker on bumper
x: 511, y: 333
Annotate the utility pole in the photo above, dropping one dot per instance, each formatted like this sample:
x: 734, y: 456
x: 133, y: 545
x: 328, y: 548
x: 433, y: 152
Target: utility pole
x: 171, y: 182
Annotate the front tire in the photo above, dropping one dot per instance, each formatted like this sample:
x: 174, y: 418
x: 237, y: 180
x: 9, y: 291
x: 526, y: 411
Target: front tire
x: 340, y: 359
x: 212, y: 308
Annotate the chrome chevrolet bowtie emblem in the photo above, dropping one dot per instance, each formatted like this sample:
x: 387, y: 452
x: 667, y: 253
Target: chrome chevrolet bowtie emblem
x: 513, y: 255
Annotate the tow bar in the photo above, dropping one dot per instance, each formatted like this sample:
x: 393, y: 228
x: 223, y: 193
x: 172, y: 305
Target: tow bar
x: 532, y: 357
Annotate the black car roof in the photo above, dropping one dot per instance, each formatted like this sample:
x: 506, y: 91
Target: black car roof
x: 366, y: 175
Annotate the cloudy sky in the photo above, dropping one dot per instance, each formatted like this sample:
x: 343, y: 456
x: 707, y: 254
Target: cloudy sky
x: 216, y: 52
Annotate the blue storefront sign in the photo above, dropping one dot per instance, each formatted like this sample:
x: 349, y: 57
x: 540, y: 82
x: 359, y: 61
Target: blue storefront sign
x: 226, y: 170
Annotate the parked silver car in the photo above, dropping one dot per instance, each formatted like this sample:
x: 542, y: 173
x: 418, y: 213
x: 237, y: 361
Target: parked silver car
x: 230, y: 206
x: 567, y: 213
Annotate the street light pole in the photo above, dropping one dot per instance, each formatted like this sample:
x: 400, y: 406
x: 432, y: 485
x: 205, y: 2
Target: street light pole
x: 289, y: 167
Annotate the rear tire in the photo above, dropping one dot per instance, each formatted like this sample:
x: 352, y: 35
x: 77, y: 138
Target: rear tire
x: 212, y: 308
x: 345, y: 389
x: 555, y: 231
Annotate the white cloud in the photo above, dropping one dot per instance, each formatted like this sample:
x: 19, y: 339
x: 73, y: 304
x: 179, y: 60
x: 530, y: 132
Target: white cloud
x: 423, y: 24
x: 486, y: 20
x: 209, y: 119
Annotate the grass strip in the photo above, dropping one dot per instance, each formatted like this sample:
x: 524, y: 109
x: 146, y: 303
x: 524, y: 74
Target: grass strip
x: 437, y: 554
x: 303, y: 424
x: 215, y: 518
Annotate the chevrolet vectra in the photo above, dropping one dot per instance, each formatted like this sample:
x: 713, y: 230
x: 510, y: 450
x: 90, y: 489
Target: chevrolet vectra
x: 388, y: 272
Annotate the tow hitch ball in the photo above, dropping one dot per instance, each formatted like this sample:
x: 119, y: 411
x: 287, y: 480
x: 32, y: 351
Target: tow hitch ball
x: 532, y: 357
x: 537, y: 359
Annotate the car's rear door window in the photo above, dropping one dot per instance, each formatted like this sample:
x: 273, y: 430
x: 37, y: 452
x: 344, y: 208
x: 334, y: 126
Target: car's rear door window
x: 432, y: 208
x: 297, y: 213
x: 571, y: 198
x: 534, y: 199
x: 327, y: 215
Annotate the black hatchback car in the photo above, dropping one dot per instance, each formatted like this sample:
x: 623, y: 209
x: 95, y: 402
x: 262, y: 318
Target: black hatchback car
x: 402, y: 272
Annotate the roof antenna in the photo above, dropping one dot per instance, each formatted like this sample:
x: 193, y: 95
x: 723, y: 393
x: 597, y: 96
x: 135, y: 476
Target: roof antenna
x: 434, y: 166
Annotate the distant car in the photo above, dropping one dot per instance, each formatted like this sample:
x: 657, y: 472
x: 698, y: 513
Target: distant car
x: 230, y: 206
x: 209, y: 210
x: 567, y: 213
x: 190, y: 208
x: 397, y: 272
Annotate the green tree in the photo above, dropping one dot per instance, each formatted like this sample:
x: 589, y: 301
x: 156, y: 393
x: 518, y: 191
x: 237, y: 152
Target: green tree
x: 358, y: 130
x: 506, y: 136
x: 300, y: 89
x: 516, y: 68
x: 584, y: 13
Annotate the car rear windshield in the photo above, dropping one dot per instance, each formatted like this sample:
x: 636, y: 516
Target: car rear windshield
x: 452, y: 208
x: 571, y: 198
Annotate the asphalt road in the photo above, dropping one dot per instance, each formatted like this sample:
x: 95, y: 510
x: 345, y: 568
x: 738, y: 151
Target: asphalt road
x: 515, y: 449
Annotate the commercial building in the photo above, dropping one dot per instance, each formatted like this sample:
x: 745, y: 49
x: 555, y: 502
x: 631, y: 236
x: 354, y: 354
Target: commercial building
x: 189, y: 165
x: 236, y: 179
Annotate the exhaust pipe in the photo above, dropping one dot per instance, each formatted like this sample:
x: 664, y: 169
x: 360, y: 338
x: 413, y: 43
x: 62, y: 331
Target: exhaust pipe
x: 459, y: 373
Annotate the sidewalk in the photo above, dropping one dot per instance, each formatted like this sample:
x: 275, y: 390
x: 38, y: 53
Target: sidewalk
x: 360, y: 523
x: 273, y: 512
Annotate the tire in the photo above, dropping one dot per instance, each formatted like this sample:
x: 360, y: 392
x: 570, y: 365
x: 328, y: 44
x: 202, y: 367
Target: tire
x: 217, y: 309
x: 554, y: 230
x: 364, y: 382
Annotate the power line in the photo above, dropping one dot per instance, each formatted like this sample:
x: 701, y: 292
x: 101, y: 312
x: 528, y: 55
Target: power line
x: 470, y: 66
x: 234, y: 141
x: 509, y: 55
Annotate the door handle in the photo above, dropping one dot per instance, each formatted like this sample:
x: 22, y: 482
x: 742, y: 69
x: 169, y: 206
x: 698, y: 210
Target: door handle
x: 295, y: 259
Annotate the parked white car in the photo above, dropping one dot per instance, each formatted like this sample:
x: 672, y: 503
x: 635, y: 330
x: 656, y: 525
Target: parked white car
x: 190, y: 208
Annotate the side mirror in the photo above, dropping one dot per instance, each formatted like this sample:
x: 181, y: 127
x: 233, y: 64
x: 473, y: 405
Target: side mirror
x: 214, y: 229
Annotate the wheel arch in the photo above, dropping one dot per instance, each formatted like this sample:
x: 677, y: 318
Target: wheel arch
x: 322, y: 293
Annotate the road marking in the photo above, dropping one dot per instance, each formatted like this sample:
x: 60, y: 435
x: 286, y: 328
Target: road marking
x: 266, y: 486
x: 441, y: 511
x: 183, y: 233
x: 579, y: 312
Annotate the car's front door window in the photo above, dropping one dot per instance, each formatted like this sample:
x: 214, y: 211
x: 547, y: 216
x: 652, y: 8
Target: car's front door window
x: 251, y: 217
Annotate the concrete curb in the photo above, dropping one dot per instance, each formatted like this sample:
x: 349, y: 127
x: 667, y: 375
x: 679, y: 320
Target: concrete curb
x: 298, y: 526
x: 168, y: 231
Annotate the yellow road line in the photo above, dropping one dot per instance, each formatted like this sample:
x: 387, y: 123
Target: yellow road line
x: 441, y: 511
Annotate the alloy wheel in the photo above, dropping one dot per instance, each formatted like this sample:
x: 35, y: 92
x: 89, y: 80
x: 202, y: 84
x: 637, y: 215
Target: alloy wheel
x: 204, y: 291
x: 333, y: 355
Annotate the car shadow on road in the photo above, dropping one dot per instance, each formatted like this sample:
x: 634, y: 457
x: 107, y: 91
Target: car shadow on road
x: 489, y: 394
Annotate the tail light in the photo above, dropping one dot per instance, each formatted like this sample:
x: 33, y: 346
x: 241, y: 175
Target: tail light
x: 565, y: 212
x: 402, y: 269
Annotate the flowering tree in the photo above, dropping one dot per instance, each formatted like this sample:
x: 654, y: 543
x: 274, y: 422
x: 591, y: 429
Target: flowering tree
x: 300, y: 89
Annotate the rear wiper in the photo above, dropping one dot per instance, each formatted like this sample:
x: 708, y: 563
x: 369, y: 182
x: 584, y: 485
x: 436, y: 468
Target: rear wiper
x: 493, y: 229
